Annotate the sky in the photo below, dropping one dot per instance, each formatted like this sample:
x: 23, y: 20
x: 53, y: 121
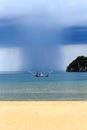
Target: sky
x: 41, y: 34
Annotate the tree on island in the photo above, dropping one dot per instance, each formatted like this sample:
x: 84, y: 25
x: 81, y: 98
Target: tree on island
x: 78, y: 65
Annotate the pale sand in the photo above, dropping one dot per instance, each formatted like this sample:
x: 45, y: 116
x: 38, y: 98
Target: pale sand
x: 43, y: 115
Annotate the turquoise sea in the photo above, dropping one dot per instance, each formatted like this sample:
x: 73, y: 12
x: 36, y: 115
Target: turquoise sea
x: 58, y: 86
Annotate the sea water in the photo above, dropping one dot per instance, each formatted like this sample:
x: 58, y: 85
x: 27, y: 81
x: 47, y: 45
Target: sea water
x: 59, y: 86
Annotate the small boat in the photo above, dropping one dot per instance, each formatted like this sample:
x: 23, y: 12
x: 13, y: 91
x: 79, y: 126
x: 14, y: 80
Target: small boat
x: 41, y: 75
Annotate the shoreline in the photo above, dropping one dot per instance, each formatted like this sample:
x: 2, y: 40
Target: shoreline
x: 43, y: 115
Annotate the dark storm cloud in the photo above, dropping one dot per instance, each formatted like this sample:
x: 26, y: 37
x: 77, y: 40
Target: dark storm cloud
x: 41, y: 27
x: 75, y: 35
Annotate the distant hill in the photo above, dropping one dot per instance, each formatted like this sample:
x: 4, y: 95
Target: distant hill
x: 78, y: 65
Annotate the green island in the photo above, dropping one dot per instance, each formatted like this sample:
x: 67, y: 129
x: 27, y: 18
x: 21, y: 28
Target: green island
x: 78, y: 65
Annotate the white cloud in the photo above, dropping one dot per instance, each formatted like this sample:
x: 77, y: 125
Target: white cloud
x: 65, y: 12
x: 70, y: 52
x: 10, y: 59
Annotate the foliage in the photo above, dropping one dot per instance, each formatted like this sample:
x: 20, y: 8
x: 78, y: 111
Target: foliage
x: 79, y: 64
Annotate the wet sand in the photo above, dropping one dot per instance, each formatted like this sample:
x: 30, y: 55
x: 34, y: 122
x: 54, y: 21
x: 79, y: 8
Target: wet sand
x: 43, y: 115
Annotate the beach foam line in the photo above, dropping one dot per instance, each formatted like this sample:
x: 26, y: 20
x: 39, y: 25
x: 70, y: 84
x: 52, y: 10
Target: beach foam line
x: 43, y: 115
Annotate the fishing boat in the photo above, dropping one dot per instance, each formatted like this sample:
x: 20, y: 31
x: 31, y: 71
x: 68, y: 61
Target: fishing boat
x: 41, y: 75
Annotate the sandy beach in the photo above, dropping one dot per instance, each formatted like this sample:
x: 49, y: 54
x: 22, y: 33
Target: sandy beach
x: 43, y: 115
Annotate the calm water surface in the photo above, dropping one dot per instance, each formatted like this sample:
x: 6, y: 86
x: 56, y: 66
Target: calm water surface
x: 58, y: 86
